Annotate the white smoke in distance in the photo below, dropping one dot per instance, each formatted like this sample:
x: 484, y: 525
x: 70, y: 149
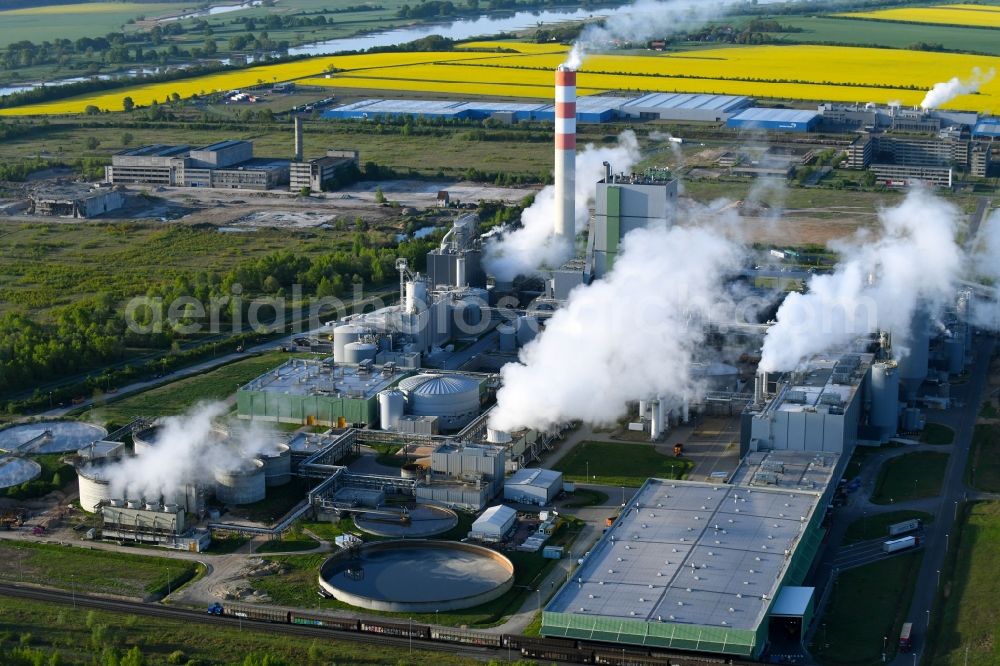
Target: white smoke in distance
x: 188, y: 450
x: 945, y: 91
x: 631, y: 335
x: 524, y: 250
x: 986, y: 265
x: 878, y: 284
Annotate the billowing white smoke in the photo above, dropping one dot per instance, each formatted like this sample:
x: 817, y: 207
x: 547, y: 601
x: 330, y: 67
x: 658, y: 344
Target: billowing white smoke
x: 878, y: 284
x: 628, y: 336
x: 532, y: 246
x: 986, y: 264
x: 644, y: 20
x: 187, y: 451
x: 944, y: 92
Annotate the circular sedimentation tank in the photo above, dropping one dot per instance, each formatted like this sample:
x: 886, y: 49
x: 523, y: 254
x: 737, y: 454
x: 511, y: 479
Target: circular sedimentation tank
x: 50, y: 437
x: 14, y: 471
x: 146, y: 439
x: 416, y: 575
x: 423, y: 520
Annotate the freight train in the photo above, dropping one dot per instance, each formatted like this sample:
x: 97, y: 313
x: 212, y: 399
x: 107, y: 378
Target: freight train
x: 547, y: 649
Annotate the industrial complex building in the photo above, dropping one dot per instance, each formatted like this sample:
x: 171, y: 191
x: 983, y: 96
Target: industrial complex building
x: 78, y: 200
x: 774, y: 120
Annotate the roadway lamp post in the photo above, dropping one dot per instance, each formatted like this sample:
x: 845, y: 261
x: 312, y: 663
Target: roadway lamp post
x: 928, y: 619
x: 956, y: 510
x: 410, y: 634
x: 945, y: 543
x: 588, y: 471
x: 939, y: 578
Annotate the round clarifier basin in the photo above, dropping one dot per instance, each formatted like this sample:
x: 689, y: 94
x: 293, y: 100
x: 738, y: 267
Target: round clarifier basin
x: 417, y: 576
x: 15, y: 471
x: 421, y: 521
x: 44, y: 437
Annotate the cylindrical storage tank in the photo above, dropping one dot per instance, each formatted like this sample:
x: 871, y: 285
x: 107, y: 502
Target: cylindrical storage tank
x: 94, y: 488
x: 144, y: 440
x: 416, y: 296
x: 885, y: 398
x: 355, y: 352
x: 117, y: 503
x: 343, y: 336
x: 170, y: 508
x: 467, y: 315
x: 153, y: 506
x: 508, y: 338
x: 527, y: 329
x: 913, y: 366
x: 133, y: 504
x: 243, y: 485
x: 494, y: 436
x: 391, y: 406
x: 954, y: 349
x: 643, y: 408
x: 454, y: 399
x: 277, y: 465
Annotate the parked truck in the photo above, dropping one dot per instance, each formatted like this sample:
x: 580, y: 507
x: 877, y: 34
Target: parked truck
x: 895, y: 545
x: 905, y: 526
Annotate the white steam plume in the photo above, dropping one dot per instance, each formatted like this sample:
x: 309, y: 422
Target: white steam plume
x: 524, y: 250
x: 631, y: 335
x: 986, y: 264
x: 187, y: 451
x: 916, y: 260
x: 944, y: 92
x: 644, y: 20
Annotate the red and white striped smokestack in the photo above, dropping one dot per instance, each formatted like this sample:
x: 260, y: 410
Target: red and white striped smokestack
x: 565, y: 162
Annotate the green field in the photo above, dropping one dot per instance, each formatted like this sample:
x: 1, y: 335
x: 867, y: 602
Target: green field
x: 177, y: 397
x: 614, y: 464
x: 968, y: 611
x: 910, y: 476
x: 982, y: 471
x: 86, y: 570
x: 868, y: 603
x: 935, y: 433
x: 71, y: 22
x: 87, y: 637
x: 874, y: 527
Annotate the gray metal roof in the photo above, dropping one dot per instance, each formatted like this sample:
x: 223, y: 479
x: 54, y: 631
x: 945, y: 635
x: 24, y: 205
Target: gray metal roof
x: 539, y: 478
x: 691, y: 553
x: 433, y: 384
x: 793, y: 601
x: 663, y: 101
x: 221, y: 145
x: 308, y: 377
x: 497, y: 517
x: 758, y: 114
x: 155, y: 150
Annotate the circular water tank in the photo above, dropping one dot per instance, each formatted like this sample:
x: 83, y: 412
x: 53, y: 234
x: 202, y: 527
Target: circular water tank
x: 243, y: 485
x: 527, y: 329
x: 391, y: 405
x: 343, y: 336
x: 153, y: 506
x: 355, y: 352
x: 885, y: 398
x: 416, y: 296
x: 454, y: 399
x: 467, y: 315
x: 117, y: 503
x: 277, y: 465
x: 14, y: 471
x: 133, y: 504
x: 94, y: 487
x: 508, y: 338
x: 145, y: 440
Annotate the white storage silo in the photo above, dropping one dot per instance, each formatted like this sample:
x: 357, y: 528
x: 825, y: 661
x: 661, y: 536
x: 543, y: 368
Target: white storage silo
x: 244, y: 484
x: 454, y: 399
x: 343, y: 336
x: 391, y: 406
x: 356, y: 352
x: 94, y: 487
x: 885, y: 398
x: 416, y: 295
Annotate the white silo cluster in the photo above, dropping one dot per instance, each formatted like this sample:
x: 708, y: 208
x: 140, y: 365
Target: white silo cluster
x: 659, y: 412
x: 454, y: 399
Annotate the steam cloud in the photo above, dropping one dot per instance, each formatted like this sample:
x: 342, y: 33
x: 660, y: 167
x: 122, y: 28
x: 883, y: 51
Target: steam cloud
x: 187, y: 451
x: 986, y: 263
x: 631, y: 335
x: 524, y: 250
x: 644, y: 20
x: 915, y: 261
x: 944, y: 92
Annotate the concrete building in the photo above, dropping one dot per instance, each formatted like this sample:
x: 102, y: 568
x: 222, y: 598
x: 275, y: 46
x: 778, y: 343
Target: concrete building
x: 900, y: 175
x: 694, y: 566
x: 156, y: 524
x: 156, y: 164
x: 533, y: 486
x: 321, y: 173
x: 623, y: 203
x: 457, y: 262
x: 774, y: 120
x: 819, y: 409
x: 225, y: 164
x: 78, y: 200
x: 463, y: 476
x: 904, y: 159
x: 220, y: 155
x: 684, y: 107
x: 495, y: 523
x: 316, y: 393
x: 590, y: 109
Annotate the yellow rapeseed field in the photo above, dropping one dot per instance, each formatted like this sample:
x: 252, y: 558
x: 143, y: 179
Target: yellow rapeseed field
x: 520, y: 47
x: 981, y: 16
x: 820, y: 73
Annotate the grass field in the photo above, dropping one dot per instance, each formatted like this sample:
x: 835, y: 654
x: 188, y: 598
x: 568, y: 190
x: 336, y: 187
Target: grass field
x: 968, y: 611
x: 867, y: 604
x: 59, y: 628
x: 982, y: 471
x: 86, y: 570
x: 613, y: 464
x: 935, y: 433
x: 874, y: 527
x: 176, y: 397
x: 91, y: 19
x: 910, y: 476
x: 982, y: 16
x: 806, y: 72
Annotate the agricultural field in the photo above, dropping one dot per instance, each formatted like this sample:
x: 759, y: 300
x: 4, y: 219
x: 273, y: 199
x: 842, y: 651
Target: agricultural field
x: 90, y: 19
x: 803, y: 72
x: 980, y: 16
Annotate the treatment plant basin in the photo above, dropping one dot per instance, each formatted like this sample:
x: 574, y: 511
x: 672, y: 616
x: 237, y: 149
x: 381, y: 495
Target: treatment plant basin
x: 422, y: 520
x: 14, y: 471
x: 416, y: 575
x: 49, y: 437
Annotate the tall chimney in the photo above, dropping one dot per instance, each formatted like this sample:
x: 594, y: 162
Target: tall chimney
x: 298, y: 139
x: 565, y: 162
